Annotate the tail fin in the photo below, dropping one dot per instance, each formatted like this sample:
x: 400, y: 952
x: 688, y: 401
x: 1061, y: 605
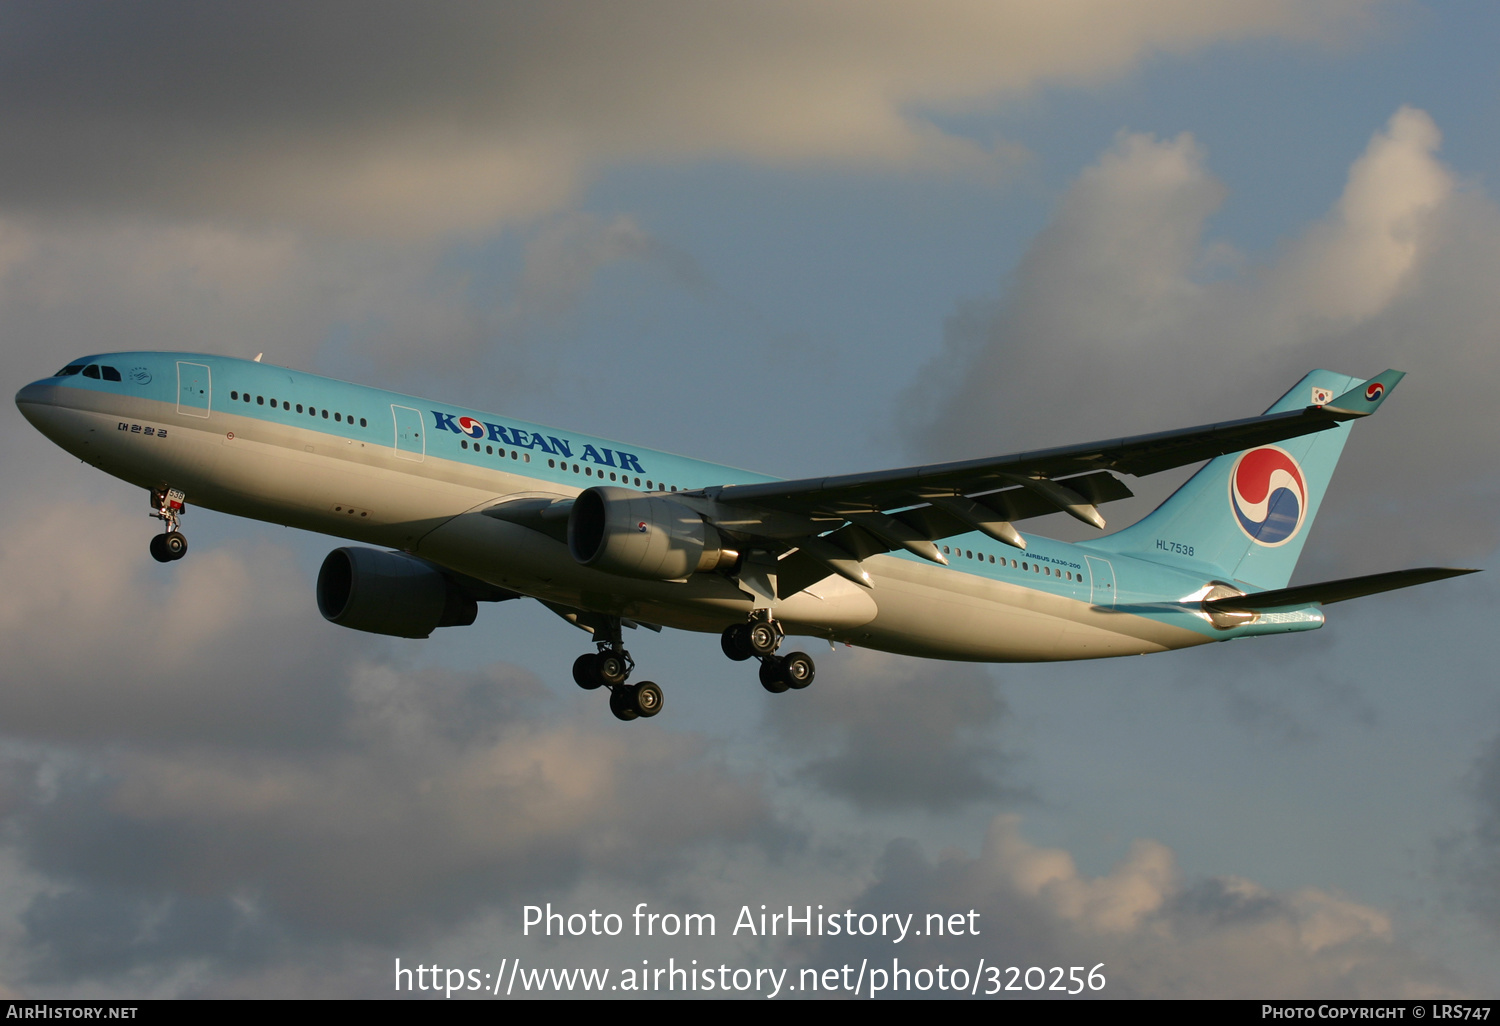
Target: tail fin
x: 1245, y: 516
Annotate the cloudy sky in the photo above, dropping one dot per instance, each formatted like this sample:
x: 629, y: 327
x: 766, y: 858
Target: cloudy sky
x: 810, y: 237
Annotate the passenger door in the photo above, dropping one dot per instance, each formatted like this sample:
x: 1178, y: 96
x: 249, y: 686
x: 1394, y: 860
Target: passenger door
x: 194, y: 389
x: 410, y: 441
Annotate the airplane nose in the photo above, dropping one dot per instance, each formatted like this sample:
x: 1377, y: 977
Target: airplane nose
x: 35, y: 401
x: 36, y: 392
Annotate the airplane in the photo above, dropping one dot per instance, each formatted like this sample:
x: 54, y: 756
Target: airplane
x: 472, y: 507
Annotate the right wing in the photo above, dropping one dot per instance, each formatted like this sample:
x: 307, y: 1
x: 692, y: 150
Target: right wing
x: 834, y: 523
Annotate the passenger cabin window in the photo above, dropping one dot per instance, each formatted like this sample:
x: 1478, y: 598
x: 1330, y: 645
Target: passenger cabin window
x: 91, y: 371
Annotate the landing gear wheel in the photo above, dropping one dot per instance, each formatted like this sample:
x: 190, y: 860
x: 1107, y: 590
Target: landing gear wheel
x: 735, y: 641
x: 159, y: 549
x: 797, y: 670
x: 771, y: 677
x: 175, y: 544
x: 764, y: 638
x: 611, y: 668
x: 583, y: 672
x: 648, y: 698
x: 622, y: 703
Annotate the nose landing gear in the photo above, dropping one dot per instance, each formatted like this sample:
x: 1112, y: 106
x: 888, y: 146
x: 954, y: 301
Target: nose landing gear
x: 761, y: 638
x: 168, y: 505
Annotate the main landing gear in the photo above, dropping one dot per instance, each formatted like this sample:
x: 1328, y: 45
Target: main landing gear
x: 610, y: 667
x: 760, y: 638
x: 168, y: 505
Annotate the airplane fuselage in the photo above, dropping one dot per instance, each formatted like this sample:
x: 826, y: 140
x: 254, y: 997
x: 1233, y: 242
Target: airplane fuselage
x: 393, y: 470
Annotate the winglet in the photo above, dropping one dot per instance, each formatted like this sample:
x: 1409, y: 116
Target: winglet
x: 1364, y: 399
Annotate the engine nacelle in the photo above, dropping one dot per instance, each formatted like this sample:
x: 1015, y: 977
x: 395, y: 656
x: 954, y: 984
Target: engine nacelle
x: 390, y: 593
x: 624, y: 532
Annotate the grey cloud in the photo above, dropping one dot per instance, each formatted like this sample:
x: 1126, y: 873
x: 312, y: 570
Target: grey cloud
x: 1157, y: 934
x: 389, y: 118
x: 1471, y: 860
x: 98, y: 646
x: 1289, y: 694
x: 439, y: 796
x: 374, y: 310
x: 69, y: 287
x: 566, y: 251
x: 100, y: 932
x: 891, y: 733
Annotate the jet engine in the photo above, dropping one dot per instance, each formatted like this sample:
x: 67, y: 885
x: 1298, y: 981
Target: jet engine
x: 624, y: 532
x: 390, y: 593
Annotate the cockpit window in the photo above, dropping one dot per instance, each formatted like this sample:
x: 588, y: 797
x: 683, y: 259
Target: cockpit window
x: 91, y: 371
x: 110, y: 374
x: 69, y: 370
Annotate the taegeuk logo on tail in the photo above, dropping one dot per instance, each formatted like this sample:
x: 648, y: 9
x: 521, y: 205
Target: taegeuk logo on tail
x: 1268, y: 494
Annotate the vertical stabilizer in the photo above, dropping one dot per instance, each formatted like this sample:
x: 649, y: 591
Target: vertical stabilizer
x: 1245, y: 516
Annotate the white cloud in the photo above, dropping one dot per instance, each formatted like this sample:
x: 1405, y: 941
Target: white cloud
x: 1111, y: 328
x: 1352, y: 267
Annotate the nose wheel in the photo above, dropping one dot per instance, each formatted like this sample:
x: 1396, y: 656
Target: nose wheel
x: 760, y: 639
x: 168, y: 505
x: 168, y: 547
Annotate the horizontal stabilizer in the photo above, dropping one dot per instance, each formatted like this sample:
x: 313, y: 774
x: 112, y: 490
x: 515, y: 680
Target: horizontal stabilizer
x: 1332, y: 591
